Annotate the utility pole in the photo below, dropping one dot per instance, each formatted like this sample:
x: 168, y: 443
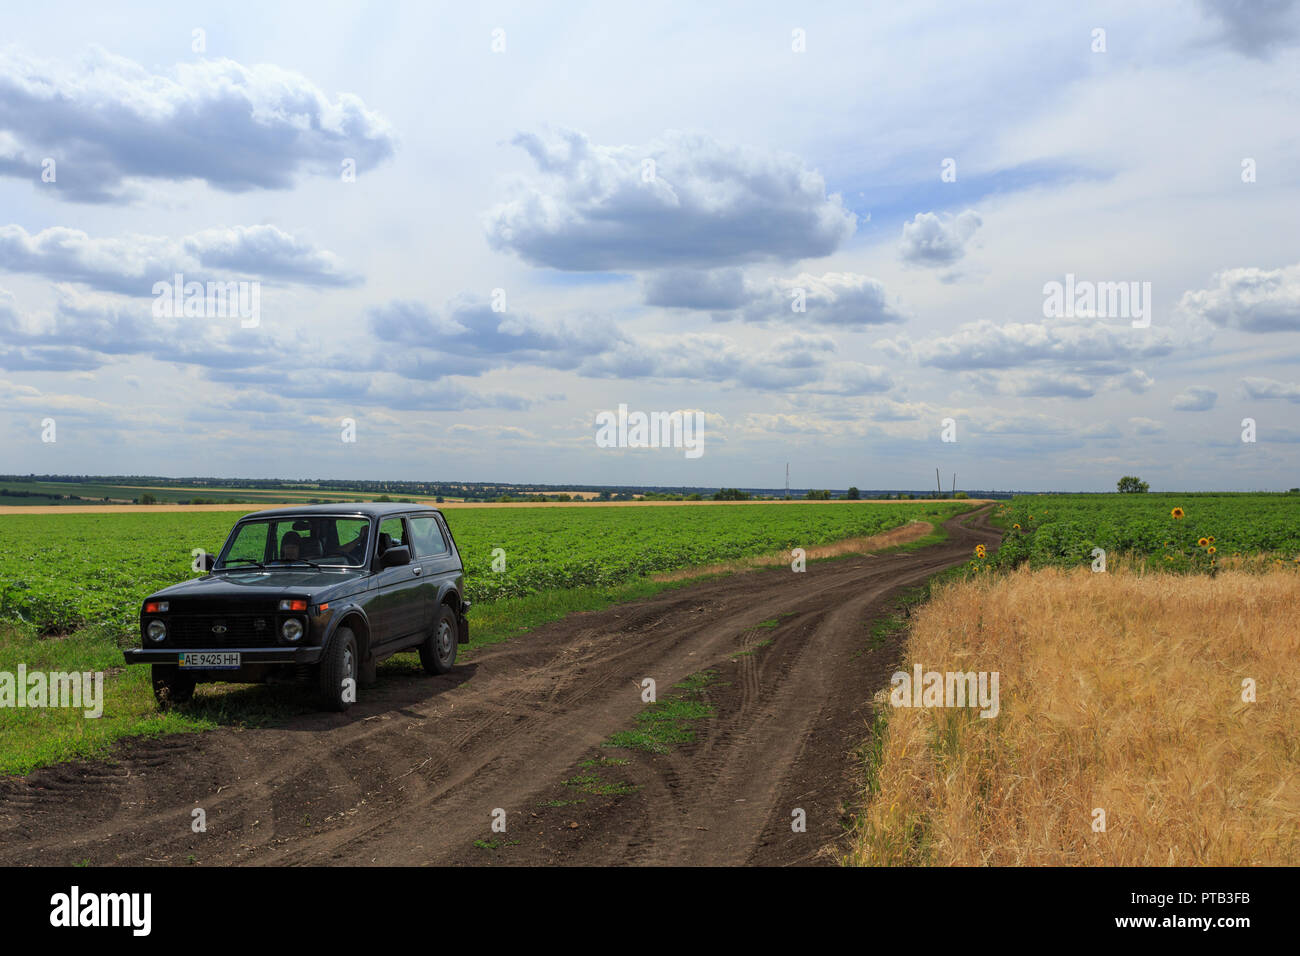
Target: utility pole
x: 937, y: 483
x: 954, y: 483
x: 787, y: 481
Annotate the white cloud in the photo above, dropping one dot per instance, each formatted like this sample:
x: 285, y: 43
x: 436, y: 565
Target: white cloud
x: 990, y: 345
x: 938, y: 240
x: 702, y: 204
x: 1195, y: 399
x: 1255, y: 387
x: 840, y: 299
x: 1253, y: 300
x: 131, y: 264
x: 109, y: 121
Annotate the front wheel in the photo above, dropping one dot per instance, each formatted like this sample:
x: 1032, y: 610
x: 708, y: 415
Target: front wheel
x: 338, y: 671
x: 170, y: 686
x: 438, y: 652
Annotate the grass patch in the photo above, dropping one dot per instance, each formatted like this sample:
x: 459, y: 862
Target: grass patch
x: 605, y: 762
x: 494, y: 844
x: 882, y: 627
x: 667, y: 722
x: 592, y: 783
x: 938, y: 535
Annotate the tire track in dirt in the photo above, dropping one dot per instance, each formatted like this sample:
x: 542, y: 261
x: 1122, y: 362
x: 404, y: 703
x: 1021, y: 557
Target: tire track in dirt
x: 412, y: 773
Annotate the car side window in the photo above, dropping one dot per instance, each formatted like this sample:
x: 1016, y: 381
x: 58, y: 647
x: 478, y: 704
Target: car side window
x: 392, y: 534
x: 427, y: 537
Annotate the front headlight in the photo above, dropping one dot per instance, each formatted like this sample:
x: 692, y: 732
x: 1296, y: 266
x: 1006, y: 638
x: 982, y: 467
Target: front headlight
x: 156, y: 630
x: 291, y: 630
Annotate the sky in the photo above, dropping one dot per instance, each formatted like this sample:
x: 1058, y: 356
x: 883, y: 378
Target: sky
x: 1040, y: 246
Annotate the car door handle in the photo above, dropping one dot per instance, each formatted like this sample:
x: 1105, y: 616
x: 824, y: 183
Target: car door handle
x: 416, y: 570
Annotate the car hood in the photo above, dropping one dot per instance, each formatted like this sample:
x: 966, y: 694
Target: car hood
x: 252, y: 584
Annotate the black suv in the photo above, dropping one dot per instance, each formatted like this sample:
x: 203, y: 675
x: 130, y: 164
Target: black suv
x: 321, y: 594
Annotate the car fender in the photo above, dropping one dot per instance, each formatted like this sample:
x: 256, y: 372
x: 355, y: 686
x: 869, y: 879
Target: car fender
x: 341, y: 614
x: 458, y: 607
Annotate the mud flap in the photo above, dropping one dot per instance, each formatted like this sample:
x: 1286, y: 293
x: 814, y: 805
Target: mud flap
x: 463, y: 620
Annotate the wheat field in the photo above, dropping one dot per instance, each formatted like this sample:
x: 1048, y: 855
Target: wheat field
x: 1121, y: 694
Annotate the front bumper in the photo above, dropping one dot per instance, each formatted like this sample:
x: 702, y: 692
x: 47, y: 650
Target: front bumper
x: 247, y: 655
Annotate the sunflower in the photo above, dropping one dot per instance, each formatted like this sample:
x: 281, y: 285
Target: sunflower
x: 1210, y: 550
x: 1016, y: 527
x: 980, y: 551
x: 1202, y: 542
x: 1177, y: 514
x: 1211, y: 539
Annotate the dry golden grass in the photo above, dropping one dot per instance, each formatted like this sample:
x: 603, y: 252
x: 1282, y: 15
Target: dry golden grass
x: 1120, y: 691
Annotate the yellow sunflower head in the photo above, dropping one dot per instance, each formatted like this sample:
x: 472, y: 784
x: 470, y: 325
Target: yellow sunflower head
x: 1202, y: 541
x: 1177, y: 513
x: 1211, y: 549
x: 1016, y: 526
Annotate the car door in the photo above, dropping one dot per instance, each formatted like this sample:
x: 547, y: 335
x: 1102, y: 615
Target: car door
x: 430, y: 544
x: 400, y: 604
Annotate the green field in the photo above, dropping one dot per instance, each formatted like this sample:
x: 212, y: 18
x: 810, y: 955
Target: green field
x: 63, y: 572
x: 1064, y: 529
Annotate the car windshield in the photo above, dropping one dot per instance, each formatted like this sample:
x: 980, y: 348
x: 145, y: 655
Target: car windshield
x: 296, y: 541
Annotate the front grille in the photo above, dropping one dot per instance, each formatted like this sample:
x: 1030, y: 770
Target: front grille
x: 218, y: 607
x: 242, y: 630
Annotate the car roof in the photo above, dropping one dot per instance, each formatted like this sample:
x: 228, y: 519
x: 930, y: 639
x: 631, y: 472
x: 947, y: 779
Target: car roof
x: 371, y: 509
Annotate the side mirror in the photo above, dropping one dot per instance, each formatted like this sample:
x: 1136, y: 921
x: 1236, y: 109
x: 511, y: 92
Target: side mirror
x: 208, y: 561
x: 395, y: 556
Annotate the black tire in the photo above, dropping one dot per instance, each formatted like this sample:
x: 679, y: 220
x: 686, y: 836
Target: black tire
x: 170, y: 686
x: 438, y: 652
x: 337, y: 664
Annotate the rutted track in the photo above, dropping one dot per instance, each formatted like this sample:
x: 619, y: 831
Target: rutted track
x: 412, y: 774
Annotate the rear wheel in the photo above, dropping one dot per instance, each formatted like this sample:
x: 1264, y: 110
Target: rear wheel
x: 338, y: 671
x: 170, y: 686
x: 438, y: 652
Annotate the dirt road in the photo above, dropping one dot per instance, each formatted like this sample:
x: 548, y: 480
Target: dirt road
x: 414, y: 773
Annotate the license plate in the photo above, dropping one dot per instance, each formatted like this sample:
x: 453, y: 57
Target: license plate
x: 210, y: 661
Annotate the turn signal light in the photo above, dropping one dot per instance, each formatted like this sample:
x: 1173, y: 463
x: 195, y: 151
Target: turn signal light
x: 297, y: 604
x: 155, y: 607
